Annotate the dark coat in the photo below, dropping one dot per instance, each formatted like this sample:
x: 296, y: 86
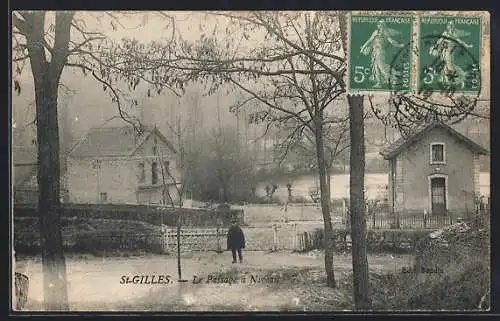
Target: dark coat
x: 235, y: 238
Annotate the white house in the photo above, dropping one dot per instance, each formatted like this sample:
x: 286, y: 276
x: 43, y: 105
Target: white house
x: 116, y: 164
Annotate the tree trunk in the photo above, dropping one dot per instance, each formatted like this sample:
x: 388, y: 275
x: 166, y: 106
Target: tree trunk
x: 325, y: 202
x: 179, y: 267
x: 328, y: 178
x: 357, y: 204
x: 46, y: 76
x: 54, y: 266
x: 224, y: 192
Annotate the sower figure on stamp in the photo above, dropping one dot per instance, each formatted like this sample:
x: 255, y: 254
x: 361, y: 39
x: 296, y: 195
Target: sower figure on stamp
x: 377, y: 46
x: 236, y: 241
x: 445, y: 48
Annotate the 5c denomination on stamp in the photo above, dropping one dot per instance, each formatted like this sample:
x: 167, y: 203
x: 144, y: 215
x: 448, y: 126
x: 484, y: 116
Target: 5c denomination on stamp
x: 449, y: 54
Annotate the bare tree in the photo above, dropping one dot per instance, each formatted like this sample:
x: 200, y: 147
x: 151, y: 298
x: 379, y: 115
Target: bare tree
x: 403, y: 112
x: 291, y: 67
x: 53, y: 42
x: 361, y: 286
x: 283, y: 77
x: 223, y: 172
x: 336, y: 145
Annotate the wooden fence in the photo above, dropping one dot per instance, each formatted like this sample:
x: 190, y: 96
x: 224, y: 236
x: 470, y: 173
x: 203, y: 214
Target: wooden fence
x: 194, y: 239
x: 419, y: 220
x: 379, y: 216
x: 411, y: 220
x: 296, y: 237
x: 285, y: 236
x: 102, y: 236
x: 309, y: 240
x: 271, y: 238
x: 385, y: 236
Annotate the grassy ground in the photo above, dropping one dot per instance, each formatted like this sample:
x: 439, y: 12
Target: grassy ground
x: 94, y: 283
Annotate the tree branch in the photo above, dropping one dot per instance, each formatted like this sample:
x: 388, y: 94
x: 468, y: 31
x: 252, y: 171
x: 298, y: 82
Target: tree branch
x: 266, y: 102
x: 19, y: 22
x: 61, y: 41
x: 122, y: 113
x: 17, y: 59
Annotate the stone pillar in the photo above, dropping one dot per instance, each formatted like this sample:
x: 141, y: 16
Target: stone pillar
x: 275, y: 237
x: 164, y: 238
x: 295, y: 236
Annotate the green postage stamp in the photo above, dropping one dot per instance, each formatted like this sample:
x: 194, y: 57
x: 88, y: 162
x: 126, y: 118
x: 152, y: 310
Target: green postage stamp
x: 380, y: 55
x: 449, y: 54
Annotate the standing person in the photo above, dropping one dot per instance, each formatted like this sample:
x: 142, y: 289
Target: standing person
x: 235, y: 240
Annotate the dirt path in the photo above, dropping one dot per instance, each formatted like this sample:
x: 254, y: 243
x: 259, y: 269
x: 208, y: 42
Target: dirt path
x: 94, y: 283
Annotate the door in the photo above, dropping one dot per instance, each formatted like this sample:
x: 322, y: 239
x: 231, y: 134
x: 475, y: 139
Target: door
x: 438, y: 195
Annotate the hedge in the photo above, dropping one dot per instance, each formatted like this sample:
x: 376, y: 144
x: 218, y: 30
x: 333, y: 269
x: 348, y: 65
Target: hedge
x: 82, y: 235
x: 395, y: 241
x: 189, y: 217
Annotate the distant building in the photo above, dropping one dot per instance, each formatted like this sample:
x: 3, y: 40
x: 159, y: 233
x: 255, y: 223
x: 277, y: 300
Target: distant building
x: 436, y: 169
x: 24, y: 176
x: 114, y: 164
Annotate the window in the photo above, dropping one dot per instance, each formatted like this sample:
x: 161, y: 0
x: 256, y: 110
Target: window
x: 437, y: 153
x: 166, y: 164
x: 104, y: 197
x: 154, y: 173
x: 96, y: 164
x: 142, y: 173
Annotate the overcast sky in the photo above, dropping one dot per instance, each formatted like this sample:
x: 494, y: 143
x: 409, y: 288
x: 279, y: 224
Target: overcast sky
x: 82, y: 98
x: 86, y: 105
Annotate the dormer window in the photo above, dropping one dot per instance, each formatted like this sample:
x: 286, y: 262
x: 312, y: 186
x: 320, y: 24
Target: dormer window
x: 166, y: 165
x: 142, y: 173
x: 154, y: 173
x: 438, y: 155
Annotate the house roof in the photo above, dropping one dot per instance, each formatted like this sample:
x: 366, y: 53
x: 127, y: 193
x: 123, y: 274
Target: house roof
x: 419, y: 131
x: 25, y: 164
x: 114, y: 141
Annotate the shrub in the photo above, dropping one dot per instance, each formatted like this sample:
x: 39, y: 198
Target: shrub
x: 383, y: 241
x: 461, y: 253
